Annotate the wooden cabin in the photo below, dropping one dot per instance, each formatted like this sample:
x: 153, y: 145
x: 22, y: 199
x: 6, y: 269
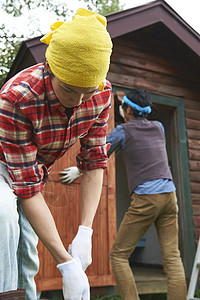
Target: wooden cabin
x: 153, y: 48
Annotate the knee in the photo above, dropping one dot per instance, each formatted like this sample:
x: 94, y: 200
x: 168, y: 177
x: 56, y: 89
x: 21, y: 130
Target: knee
x: 116, y: 256
x: 113, y: 259
x: 112, y: 252
x: 110, y: 255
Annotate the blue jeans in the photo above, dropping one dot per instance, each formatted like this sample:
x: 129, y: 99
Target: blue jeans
x: 19, y: 261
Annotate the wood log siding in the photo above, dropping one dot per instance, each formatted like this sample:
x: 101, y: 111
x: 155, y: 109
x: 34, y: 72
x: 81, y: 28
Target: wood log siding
x: 194, y: 154
x: 140, y: 59
x: 193, y: 133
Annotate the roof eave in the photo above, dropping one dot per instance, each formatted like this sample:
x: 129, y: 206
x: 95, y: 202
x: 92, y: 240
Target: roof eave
x: 124, y: 22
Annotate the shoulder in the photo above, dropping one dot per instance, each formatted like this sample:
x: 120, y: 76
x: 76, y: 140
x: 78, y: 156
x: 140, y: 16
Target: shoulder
x: 107, y: 85
x: 25, y: 85
x: 117, y: 130
x: 159, y: 124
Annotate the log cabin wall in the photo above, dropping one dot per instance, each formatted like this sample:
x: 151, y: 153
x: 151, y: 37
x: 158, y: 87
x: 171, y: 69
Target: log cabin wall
x: 155, y: 59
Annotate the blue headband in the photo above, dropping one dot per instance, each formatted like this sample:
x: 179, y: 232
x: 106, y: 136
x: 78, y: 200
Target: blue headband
x: 141, y: 110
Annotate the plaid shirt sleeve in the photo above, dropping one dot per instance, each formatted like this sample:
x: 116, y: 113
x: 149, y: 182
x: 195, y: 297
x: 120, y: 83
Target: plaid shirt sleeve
x: 20, y: 152
x: 94, y: 149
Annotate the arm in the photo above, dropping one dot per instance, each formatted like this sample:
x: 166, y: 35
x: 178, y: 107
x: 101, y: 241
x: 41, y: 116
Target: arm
x: 75, y: 281
x: 41, y: 219
x: 117, y: 139
x: 91, y: 186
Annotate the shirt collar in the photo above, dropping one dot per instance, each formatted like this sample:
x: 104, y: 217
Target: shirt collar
x: 49, y: 93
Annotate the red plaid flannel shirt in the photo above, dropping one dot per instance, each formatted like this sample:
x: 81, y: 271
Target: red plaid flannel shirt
x: 35, y: 130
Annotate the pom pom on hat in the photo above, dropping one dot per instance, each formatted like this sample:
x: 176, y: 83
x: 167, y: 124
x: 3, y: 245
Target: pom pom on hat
x: 79, y: 50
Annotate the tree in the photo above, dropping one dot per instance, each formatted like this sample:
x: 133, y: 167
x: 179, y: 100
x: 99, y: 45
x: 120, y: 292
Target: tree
x: 10, y: 42
x: 104, y: 7
x: 8, y: 50
x: 16, y: 8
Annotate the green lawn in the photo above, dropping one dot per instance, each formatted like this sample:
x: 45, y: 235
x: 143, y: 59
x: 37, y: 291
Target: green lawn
x: 142, y: 297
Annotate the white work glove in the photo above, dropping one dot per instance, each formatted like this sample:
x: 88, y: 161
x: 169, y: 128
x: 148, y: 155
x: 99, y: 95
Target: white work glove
x: 75, y: 281
x: 81, y: 246
x: 70, y: 174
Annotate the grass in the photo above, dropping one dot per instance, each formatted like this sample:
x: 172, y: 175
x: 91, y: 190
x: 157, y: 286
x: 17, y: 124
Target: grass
x: 142, y: 297
x: 105, y: 298
x: 154, y: 297
x: 197, y: 293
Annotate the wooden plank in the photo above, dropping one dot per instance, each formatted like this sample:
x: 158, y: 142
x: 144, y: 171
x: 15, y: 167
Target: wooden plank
x: 128, y: 81
x: 133, y: 54
x: 192, y: 104
x: 151, y: 287
x: 197, y: 234
x: 196, y: 210
x: 192, y: 124
x: 150, y: 280
x: 49, y: 284
x: 194, y: 144
x: 195, y: 198
x: 138, y: 55
x: 145, y: 73
x: 101, y: 280
x: 138, y: 60
x: 192, y: 93
x: 195, y: 187
x: 193, y: 134
x: 193, y: 113
x: 102, y: 259
x: 18, y: 294
x: 145, y: 41
x: 196, y: 221
x: 195, y: 176
x: 194, y: 154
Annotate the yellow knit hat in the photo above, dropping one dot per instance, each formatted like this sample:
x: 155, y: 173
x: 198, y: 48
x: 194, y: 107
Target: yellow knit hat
x: 79, y: 50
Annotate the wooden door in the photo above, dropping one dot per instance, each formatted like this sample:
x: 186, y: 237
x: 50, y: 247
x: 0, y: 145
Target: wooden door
x: 64, y: 203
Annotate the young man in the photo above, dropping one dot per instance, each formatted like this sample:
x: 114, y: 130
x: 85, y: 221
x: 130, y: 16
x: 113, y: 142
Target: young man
x: 43, y: 111
x: 152, y: 191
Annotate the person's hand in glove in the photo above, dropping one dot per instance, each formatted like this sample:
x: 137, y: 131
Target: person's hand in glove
x: 70, y: 174
x: 81, y: 246
x: 75, y: 281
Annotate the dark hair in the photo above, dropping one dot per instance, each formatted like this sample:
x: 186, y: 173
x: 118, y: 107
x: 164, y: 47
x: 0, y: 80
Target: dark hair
x: 141, y: 98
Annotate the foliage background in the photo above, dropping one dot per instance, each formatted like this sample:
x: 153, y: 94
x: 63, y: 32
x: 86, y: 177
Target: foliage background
x: 34, y: 13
